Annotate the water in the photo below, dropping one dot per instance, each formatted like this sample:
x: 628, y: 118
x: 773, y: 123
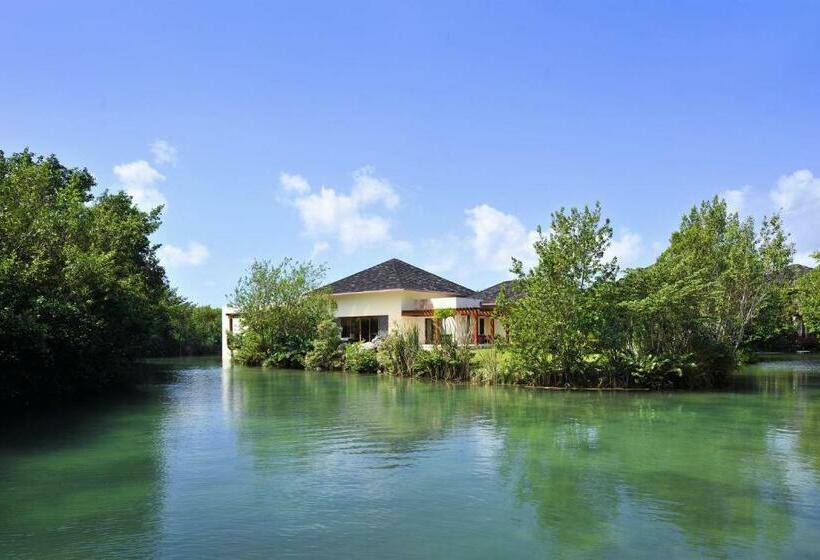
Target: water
x: 262, y: 464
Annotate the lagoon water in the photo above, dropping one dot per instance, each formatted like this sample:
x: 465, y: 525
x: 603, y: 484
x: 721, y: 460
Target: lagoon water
x: 248, y: 463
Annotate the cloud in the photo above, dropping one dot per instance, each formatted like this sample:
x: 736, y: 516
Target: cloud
x: 138, y: 179
x: 173, y: 256
x: 627, y: 248
x: 805, y: 258
x: 354, y: 219
x: 163, y: 152
x: 801, y: 189
x: 318, y: 248
x: 496, y: 237
x: 735, y: 199
x: 294, y: 183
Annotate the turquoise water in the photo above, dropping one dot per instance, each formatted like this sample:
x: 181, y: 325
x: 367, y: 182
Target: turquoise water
x: 260, y: 464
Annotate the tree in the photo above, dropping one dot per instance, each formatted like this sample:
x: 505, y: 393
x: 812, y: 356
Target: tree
x: 326, y: 352
x: 81, y: 289
x: 696, y: 305
x: 281, y: 307
x: 736, y: 269
x: 808, y: 296
x: 559, y: 317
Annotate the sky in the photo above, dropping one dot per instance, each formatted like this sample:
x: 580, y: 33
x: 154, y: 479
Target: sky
x: 441, y: 133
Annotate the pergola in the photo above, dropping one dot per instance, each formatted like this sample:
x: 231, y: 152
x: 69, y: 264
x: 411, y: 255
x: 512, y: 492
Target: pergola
x: 473, y: 312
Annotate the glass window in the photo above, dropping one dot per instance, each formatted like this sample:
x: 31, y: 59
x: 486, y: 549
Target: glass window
x: 362, y: 328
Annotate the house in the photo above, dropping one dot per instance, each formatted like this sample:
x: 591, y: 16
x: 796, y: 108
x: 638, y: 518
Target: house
x: 395, y: 294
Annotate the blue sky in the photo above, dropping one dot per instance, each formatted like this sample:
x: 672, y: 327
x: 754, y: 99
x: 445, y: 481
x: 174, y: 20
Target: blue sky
x: 441, y: 133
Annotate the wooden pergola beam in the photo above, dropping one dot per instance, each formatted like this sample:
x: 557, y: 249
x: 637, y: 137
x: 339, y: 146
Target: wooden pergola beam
x: 468, y: 311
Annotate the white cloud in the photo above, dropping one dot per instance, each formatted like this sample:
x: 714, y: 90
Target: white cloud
x: 173, y: 256
x: 497, y: 237
x: 805, y: 259
x: 627, y: 248
x: 294, y: 183
x: 318, y: 248
x: 351, y: 219
x: 800, y: 189
x: 735, y: 199
x: 138, y: 179
x: 163, y: 152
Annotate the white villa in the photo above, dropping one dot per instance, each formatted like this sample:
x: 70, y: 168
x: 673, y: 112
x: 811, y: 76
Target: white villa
x: 395, y: 294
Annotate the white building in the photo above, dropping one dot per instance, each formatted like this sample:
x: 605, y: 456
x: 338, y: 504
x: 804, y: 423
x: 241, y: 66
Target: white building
x: 394, y: 295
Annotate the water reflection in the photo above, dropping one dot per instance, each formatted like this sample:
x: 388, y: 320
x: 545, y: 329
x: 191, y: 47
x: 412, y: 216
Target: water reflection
x: 721, y: 474
x: 279, y: 463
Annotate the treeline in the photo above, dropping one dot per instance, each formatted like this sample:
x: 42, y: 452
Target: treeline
x: 82, y: 292
x: 722, y: 289
x: 680, y: 322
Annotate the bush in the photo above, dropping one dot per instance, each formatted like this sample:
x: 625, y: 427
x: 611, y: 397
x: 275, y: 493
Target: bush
x: 359, y: 359
x: 496, y: 367
x: 447, y: 361
x: 282, y: 306
x: 326, y: 353
x: 398, y: 352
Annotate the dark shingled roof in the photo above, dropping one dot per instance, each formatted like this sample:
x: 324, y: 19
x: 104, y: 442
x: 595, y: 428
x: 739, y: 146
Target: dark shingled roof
x: 489, y: 295
x: 396, y: 275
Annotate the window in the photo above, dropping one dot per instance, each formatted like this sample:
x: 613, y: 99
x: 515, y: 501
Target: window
x: 481, y: 327
x: 363, y: 328
x: 433, y: 331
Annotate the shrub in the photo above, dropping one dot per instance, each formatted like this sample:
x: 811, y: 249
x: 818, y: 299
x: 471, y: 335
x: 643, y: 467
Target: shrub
x: 326, y: 353
x: 448, y: 361
x: 495, y: 367
x: 282, y: 306
x: 398, y: 352
x: 360, y: 359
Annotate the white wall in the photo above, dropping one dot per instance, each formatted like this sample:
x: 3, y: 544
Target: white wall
x: 226, y: 353
x: 388, y: 302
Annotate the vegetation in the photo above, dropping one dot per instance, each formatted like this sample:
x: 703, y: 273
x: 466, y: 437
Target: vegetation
x: 281, y: 307
x: 326, y: 353
x: 495, y: 366
x: 677, y: 323
x: 808, y: 296
x: 398, y: 352
x: 360, y: 359
x: 82, y: 292
x: 191, y: 330
x: 447, y: 361
x: 561, y: 317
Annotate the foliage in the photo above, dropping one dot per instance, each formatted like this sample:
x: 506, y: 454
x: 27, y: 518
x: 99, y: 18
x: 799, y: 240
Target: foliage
x: 326, y: 353
x: 808, y: 296
x: 281, y: 307
x: 190, y: 330
x: 398, y: 352
x: 495, y: 366
x: 705, y: 292
x: 81, y: 289
x: 719, y: 288
x: 446, y: 361
x: 360, y: 359
x: 559, y: 316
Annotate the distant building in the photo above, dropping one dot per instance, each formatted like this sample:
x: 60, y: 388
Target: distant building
x: 395, y: 294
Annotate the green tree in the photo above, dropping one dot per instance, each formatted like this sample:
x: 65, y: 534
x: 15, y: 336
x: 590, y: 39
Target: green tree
x: 326, y: 352
x: 190, y: 330
x: 281, y: 307
x: 557, y: 321
x: 808, y: 296
x: 695, y: 306
x: 736, y: 269
x: 81, y: 288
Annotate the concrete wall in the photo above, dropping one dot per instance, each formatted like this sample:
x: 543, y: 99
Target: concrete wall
x: 226, y: 322
x: 388, y: 302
